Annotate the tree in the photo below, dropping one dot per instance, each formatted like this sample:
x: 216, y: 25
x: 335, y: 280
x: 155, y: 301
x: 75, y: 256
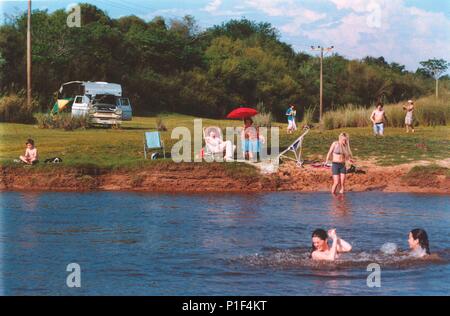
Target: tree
x: 2, y: 62
x: 435, y: 68
x: 173, y: 65
x: 397, y: 67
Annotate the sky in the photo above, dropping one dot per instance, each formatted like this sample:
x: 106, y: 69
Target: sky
x: 403, y: 31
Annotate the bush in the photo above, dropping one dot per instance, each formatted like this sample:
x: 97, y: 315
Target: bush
x: 432, y: 112
x: 63, y: 120
x: 429, y: 111
x: 14, y: 109
x: 263, y: 118
x: 160, y: 126
x: 308, y: 117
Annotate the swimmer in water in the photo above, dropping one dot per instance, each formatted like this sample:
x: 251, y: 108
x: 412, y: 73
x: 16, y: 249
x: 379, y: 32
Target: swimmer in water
x: 320, y: 249
x: 418, y: 243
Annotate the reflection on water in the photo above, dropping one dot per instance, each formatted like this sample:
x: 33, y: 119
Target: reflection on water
x: 340, y: 205
x: 2, y: 254
x: 219, y: 244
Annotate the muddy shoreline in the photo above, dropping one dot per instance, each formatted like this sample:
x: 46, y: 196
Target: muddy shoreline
x: 201, y: 178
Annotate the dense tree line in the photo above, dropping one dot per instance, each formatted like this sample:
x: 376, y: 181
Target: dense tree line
x: 169, y: 65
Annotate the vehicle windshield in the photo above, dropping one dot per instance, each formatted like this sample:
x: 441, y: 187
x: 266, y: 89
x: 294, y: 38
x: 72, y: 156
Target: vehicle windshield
x: 104, y: 99
x: 70, y: 90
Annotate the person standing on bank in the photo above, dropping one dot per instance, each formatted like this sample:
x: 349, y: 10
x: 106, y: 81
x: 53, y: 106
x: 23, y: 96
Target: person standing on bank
x: 409, y: 118
x: 340, y: 153
x: 378, y: 117
x: 291, y: 113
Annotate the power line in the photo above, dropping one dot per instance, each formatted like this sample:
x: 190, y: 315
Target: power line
x: 131, y: 7
x: 115, y: 5
x: 29, y: 55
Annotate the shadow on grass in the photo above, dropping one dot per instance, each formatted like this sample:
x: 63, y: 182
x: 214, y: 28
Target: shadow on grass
x: 131, y: 128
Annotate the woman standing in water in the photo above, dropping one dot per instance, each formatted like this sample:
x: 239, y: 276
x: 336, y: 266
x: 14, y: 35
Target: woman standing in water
x: 320, y: 248
x: 418, y: 243
x: 341, y: 153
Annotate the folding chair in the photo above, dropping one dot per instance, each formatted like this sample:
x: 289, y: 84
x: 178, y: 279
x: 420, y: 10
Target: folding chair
x: 295, y: 148
x: 206, y: 132
x: 152, y: 140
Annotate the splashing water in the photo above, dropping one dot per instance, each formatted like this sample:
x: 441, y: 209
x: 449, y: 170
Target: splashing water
x: 389, y: 256
x: 389, y: 248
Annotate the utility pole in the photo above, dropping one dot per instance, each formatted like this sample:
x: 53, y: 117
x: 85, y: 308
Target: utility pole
x: 321, y: 49
x: 437, y: 88
x: 29, y: 55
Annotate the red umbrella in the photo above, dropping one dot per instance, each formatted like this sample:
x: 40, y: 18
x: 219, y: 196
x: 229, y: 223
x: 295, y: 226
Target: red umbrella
x: 241, y: 113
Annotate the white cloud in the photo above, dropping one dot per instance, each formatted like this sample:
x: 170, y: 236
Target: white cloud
x: 354, y: 5
x: 296, y: 14
x: 213, y: 6
x: 404, y: 34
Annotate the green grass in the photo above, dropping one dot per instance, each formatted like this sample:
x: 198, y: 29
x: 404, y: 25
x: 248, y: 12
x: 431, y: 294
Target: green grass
x: 123, y: 148
x: 429, y: 170
x: 425, y: 176
x: 396, y: 147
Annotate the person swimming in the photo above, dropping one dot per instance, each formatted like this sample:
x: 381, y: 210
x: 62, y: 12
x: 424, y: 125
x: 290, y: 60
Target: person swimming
x: 320, y: 248
x: 418, y: 243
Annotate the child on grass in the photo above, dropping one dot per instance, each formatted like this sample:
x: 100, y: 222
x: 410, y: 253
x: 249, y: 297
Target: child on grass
x: 31, y: 154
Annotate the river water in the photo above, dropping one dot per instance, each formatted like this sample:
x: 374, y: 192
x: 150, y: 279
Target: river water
x: 217, y: 244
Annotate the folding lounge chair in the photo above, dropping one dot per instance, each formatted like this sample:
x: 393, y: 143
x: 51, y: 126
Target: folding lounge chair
x: 208, y: 152
x: 295, y: 148
x: 152, y: 140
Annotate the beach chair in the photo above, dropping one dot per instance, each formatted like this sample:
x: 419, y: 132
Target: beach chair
x: 152, y: 140
x: 295, y: 148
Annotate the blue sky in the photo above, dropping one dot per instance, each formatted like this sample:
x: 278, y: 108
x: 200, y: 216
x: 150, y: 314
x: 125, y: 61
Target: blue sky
x: 403, y: 31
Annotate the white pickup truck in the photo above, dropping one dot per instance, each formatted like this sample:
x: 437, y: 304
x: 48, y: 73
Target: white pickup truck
x: 101, y: 101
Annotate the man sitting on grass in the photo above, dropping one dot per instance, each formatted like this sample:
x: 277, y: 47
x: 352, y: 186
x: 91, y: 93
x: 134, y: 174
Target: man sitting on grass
x: 31, y: 154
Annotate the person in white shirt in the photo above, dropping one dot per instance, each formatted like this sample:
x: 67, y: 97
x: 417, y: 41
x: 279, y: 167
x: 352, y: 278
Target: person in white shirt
x: 216, y: 145
x: 409, y: 121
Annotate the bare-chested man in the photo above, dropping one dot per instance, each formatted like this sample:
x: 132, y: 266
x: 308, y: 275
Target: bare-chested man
x: 378, y: 117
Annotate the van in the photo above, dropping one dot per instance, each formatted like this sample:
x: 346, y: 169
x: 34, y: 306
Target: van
x: 125, y: 106
x: 80, y: 105
x: 102, y: 102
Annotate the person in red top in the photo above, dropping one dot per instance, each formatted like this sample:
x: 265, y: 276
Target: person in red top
x: 31, y: 154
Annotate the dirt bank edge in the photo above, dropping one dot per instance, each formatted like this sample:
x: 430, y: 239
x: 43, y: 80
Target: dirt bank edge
x: 202, y: 178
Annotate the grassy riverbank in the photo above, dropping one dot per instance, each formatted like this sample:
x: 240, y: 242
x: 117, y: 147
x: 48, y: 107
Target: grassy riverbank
x: 123, y: 148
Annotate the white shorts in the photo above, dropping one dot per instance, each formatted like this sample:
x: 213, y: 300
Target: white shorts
x: 292, y: 125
